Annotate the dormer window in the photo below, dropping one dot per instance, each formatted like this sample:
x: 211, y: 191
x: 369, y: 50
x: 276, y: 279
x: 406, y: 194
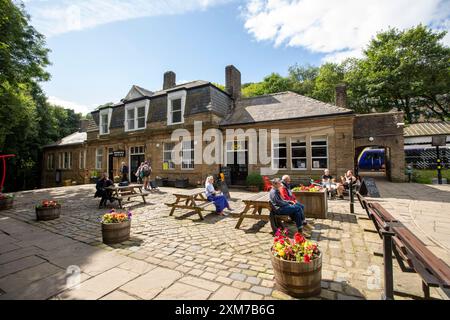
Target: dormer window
x: 105, y: 119
x: 176, y: 102
x: 136, y: 116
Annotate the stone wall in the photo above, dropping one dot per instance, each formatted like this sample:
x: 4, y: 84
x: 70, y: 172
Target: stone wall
x: 383, y: 130
x: 79, y: 176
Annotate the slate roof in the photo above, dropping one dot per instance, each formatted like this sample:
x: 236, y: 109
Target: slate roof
x: 427, y: 129
x: 187, y: 85
x: 280, y: 106
x: 74, y: 138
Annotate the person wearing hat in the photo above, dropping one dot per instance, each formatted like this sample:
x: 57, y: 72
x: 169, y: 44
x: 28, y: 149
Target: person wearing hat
x: 283, y: 207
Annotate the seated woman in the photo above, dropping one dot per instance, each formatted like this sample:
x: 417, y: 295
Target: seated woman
x: 220, y: 201
x: 102, y: 192
x: 329, y: 183
x: 345, y: 183
x: 286, y: 194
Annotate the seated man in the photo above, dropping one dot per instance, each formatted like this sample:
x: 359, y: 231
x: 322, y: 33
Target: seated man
x: 345, y: 183
x: 102, y: 192
x: 283, y: 207
x: 286, y: 194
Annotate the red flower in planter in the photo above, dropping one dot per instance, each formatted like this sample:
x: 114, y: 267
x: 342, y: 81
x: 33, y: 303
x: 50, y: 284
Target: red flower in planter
x: 299, y: 238
x: 307, y: 258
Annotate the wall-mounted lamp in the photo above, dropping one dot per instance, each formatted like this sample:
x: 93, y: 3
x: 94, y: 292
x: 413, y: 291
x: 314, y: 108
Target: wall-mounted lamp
x: 371, y: 139
x: 157, y: 145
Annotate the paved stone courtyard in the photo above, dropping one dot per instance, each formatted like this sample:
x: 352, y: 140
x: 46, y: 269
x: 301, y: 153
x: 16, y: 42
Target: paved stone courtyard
x: 182, y: 257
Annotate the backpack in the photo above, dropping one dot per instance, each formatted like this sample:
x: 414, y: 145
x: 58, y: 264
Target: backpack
x: 146, y: 170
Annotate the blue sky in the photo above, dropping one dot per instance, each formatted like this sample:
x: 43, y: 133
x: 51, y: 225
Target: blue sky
x: 102, y: 47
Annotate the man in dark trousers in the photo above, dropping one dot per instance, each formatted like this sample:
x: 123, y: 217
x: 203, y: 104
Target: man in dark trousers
x: 124, y: 172
x: 102, y: 192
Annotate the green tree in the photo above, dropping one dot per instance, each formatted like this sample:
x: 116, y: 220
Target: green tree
x: 407, y: 70
x: 303, y: 79
x: 273, y: 83
x: 328, y: 77
x: 23, y: 58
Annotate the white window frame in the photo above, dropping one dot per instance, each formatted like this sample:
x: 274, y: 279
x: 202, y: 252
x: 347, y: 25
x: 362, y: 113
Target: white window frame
x: 243, y: 149
x: 273, y: 142
x: 135, y: 106
x: 66, y: 160
x: 188, y: 165
x: 319, y: 138
x: 108, y: 112
x: 50, y: 161
x: 97, y: 154
x: 300, y: 158
x: 165, y: 151
x: 175, y: 96
x: 82, y: 160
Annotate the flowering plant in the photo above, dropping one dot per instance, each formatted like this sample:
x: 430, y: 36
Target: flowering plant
x: 311, y: 188
x: 298, y: 249
x: 114, y: 217
x: 48, y: 204
x: 6, y: 196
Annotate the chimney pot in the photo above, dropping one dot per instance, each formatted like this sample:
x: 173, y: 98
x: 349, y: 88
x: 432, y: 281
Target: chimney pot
x: 169, y: 80
x: 341, y: 95
x: 83, y: 125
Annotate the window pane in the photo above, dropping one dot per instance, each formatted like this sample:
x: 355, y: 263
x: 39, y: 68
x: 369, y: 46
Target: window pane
x: 319, y: 151
x: 280, y: 153
x: 141, y: 123
x: 176, y: 117
x: 280, y: 163
x: 130, y: 113
x: 320, y: 163
x: 176, y: 105
x: 319, y: 143
x: 130, y: 124
x: 299, y: 153
x: 141, y: 112
x: 299, y: 163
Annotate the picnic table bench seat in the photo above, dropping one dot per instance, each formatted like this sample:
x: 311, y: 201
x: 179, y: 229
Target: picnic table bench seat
x: 190, y: 199
x: 410, y: 252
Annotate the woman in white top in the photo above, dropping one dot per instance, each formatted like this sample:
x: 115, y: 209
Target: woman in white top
x: 220, y: 201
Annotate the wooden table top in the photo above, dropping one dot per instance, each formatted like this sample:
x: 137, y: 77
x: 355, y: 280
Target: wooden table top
x: 131, y: 186
x: 189, y: 193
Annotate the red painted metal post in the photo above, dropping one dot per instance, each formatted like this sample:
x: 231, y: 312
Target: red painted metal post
x: 4, y: 157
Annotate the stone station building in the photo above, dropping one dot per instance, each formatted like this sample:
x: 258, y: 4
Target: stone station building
x: 312, y: 135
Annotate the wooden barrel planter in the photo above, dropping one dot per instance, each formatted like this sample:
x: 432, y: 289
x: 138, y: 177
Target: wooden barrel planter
x: 6, y: 203
x: 298, y: 279
x: 113, y: 233
x: 48, y: 213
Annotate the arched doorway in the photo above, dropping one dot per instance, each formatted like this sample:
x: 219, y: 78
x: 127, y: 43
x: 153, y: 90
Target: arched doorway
x: 374, y: 161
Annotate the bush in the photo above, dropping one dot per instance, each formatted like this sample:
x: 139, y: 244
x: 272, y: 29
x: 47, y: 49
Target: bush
x: 255, y: 179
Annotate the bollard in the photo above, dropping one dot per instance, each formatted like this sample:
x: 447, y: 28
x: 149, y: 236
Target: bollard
x: 352, y: 198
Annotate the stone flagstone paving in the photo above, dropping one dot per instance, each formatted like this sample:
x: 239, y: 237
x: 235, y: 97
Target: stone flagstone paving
x: 178, y: 257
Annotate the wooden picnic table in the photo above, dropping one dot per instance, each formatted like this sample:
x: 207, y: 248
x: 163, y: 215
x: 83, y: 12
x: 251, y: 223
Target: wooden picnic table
x: 253, y: 208
x: 189, y: 199
x: 130, y: 191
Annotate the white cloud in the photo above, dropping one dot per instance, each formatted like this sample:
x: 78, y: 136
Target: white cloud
x: 338, y: 29
x: 78, y: 108
x: 53, y: 17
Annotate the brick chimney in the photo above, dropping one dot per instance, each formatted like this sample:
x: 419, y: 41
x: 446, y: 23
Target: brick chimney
x: 341, y: 95
x: 169, y: 80
x: 83, y: 125
x: 233, y: 82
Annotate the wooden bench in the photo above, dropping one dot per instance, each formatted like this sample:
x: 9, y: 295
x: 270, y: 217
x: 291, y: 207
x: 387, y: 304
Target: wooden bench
x: 194, y: 200
x: 410, y: 252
